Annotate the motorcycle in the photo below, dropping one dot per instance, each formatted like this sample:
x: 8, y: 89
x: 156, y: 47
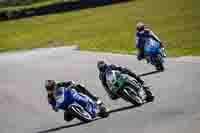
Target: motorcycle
x: 126, y: 87
x: 85, y: 112
x: 154, y: 54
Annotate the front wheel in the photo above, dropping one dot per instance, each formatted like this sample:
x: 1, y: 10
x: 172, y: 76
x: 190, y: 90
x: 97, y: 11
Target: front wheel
x: 80, y: 113
x: 129, y: 94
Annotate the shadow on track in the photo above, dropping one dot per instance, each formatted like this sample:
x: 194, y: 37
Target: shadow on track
x: 149, y: 73
x: 122, y: 109
x: 65, y: 126
x: 61, y: 127
x: 82, y: 123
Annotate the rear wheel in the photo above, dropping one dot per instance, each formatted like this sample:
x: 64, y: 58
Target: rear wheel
x: 103, y: 111
x: 159, y: 64
x: 80, y: 113
x: 68, y: 116
x: 150, y: 96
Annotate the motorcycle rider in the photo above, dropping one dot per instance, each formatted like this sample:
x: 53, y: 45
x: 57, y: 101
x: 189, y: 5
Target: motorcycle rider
x: 143, y: 36
x: 52, y: 85
x: 103, y: 68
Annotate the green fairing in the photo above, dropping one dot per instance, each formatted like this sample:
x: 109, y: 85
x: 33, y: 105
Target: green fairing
x: 118, y: 82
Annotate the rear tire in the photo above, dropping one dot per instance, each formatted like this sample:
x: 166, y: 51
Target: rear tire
x: 103, y: 112
x: 68, y: 116
x: 159, y: 64
x: 150, y: 96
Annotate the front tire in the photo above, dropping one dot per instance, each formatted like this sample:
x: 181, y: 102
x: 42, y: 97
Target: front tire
x: 80, y: 113
x: 130, y: 95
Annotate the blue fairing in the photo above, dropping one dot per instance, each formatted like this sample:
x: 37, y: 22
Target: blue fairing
x: 153, y: 48
x: 66, y: 97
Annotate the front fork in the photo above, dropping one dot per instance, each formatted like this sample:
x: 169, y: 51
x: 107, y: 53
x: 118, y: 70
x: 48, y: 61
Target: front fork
x: 142, y: 93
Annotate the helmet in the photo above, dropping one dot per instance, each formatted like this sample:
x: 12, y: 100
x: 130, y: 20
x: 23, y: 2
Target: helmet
x: 50, y: 85
x: 101, y: 65
x: 70, y: 83
x: 140, y: 26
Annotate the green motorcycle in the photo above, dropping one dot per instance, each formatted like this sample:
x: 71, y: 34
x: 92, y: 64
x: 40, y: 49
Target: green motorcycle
x: 126, y: 87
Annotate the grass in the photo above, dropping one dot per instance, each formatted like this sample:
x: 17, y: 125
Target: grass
x: 8, y: 3
x: 34, y: 5
x: 110, y: 28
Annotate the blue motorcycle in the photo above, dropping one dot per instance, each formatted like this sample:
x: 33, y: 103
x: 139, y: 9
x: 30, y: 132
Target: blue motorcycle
x: 154, y: 54
x: 78, y: 105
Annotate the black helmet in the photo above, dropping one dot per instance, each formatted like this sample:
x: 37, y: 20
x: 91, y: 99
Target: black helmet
x: 50, y: 85
x: 101, y: 65
x: 70, y: 83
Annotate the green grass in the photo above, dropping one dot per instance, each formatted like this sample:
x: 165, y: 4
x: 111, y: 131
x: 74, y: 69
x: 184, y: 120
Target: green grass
x: 110, y: 28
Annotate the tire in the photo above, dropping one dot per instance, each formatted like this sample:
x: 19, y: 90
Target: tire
x: 130, y: 95
x: 103, y: 112
x: 68, y: 116
x: 150, y: 96
x: 80, y: 113
x: 159, y: 64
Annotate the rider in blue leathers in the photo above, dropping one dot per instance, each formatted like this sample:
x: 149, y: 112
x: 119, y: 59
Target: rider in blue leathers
x: 58, y: 91
x: 144, y: 38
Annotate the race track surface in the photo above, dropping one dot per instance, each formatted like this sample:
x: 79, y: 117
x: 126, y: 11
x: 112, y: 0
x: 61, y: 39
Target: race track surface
x: 24, y: 108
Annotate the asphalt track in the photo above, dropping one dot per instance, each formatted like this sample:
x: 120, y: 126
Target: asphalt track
x: 24, y: 109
